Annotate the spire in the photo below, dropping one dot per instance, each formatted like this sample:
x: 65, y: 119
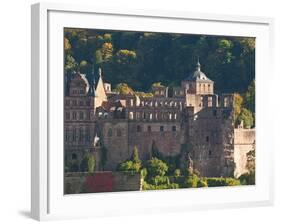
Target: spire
x: 198, y: 66
x: 92, y: 90
x: 99, y: 72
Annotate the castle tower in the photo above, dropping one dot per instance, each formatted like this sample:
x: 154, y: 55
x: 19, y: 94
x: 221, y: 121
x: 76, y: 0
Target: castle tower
x: 198, y: 82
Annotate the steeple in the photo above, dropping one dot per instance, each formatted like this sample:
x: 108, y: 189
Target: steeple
x: 92, y: 90
x: 198, y: 66
x: 100, y: 72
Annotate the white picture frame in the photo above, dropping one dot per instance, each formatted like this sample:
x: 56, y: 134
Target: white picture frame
x: 48, y: 201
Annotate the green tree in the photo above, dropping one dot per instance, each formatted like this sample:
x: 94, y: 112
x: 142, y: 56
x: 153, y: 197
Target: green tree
x: 250, y: 97
x: 135, y: 155
x: 238, y: 101
x: 156, y: 167
x: 247, y: 117
x: 88, y: 163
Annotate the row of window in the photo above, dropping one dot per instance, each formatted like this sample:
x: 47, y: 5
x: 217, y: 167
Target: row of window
x: 77, y: 103
x: 161, y: 128
x: 77, y: 91
x: 140, y: 129
x: 151, y: 116
x: 77, y: 115
x: 77, y: 135
x: 160, y: 103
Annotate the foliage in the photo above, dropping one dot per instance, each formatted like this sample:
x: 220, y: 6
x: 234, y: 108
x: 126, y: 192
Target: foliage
x: 191, y: 181
x: 143, y: 58
x: 88, y: 163
x: 156, y: 167
x: 123, y: 88
x: 143, y: 173
x: 248, y: 178
x: 251, y: 158
x: 216, y: 182
x: 238, y: 101
x: 247, y: 117
x: 202, y: 183
x: 147, y: 186
x: 177, y: 173
x: 135, y: 155
x: 133, y: 165
x: 250, y: 97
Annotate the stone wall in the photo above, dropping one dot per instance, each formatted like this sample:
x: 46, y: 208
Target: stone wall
x: 244, y: 141
x: 107, y: 181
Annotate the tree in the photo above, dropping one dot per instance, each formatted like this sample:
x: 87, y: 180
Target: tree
x: 250, y: 97
x: 88, y: 163
x: 135, y: 155
x: 106, y: 51
x: 238, y: 101
x: 247, y: 117
x: 123, y: 88
x: 156, y: 167
x: 132, y: 165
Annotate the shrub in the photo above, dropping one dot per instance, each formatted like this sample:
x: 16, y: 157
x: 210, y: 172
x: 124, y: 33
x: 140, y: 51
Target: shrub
x: 215, y: 182
x: 202, y: 183
x: 88, y: 163
x: 248, y: 178
x: 156, y: 167
x: 191, y: 181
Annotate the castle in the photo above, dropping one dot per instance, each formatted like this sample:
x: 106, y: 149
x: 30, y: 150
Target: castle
x: 190, y: 121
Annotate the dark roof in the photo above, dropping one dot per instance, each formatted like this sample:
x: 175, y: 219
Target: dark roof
x: 198, y: 75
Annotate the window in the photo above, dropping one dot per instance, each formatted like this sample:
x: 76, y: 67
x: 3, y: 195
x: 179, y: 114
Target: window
x: 81, y: 134
x: 73, y: 156
x: 74, y: 115
x: 67, y: 102
x: 161, y: 128
x: 150, y: 116
x: 210, y: 152
x: 81, y: 115
x: 109, y: 133
x: 81, y: 91
x: 175, y: 116
x: 67, y: 116
x: 74, y: 102
x: 149, y: 128
x: 131, y: 115
x: 81, y: 103
x: 214, y: 112
x: 207, y: 139
x: 138, y: 128
x: 119, y: 132
x: 174, y: 128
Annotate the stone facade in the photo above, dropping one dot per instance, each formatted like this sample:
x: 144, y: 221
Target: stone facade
x: 190, y: 120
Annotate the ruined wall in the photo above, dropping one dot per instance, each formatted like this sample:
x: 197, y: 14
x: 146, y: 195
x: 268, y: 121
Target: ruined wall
x: 75, y: 183
x: 244, y: 141
x: 211, y: 141
x: 114, y: 134
x: 167, y: 137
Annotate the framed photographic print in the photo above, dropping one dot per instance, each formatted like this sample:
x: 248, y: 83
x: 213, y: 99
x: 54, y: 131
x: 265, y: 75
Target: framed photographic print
x: 161, y: 111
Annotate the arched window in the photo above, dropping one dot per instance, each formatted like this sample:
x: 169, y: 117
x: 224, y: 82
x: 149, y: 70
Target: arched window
x: 170, y: 116
x: 175, y: 116
x: 119, y: 132
x: 73, y: 156
x: 150, y: 116
x: 109, y: 133
x: 131, y: 115
x: 81, y: 137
